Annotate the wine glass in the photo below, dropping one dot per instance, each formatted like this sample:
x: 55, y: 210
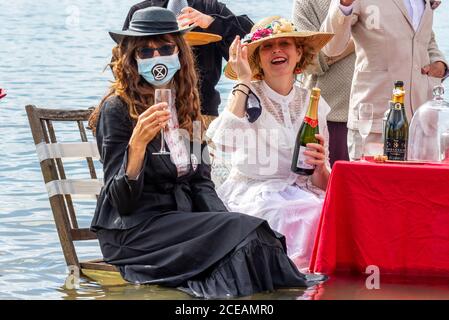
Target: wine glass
x: 162, y: 95
x: 365, y: 121
x: 176, y: 6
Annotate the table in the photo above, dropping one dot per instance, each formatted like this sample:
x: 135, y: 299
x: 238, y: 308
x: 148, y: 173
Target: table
x: 394, y: 216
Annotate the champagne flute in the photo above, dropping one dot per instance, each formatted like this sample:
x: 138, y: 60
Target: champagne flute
x: 162, y: 95
x: 365, y: 121
x: 176, y: 7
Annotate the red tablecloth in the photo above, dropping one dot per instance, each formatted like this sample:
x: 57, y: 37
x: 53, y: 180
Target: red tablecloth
x: 394, y: 216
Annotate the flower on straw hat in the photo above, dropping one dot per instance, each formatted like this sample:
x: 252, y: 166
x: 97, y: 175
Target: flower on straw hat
x: 283, y: 25
x: 259, y: 34
x: 275, y: 27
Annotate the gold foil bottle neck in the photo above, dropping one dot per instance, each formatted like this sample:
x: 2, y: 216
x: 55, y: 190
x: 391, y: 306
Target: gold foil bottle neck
x: 316, y: 93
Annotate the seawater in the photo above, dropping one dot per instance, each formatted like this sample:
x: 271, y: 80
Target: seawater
x: 53, y: 54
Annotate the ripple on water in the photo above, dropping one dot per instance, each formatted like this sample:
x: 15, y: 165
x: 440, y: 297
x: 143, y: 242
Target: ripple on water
x: 50, y: 64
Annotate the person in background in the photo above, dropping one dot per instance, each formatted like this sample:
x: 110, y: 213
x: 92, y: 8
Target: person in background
x: 158, y: 217
x: 265, y: 64
x: 394, y: 40
x: 213, y: 17
x: 332, y: 75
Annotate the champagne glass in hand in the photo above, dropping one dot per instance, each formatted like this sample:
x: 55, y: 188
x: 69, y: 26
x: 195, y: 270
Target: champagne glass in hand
x: 365, y: 121
x: 176, y: 6
x: 162, y: 95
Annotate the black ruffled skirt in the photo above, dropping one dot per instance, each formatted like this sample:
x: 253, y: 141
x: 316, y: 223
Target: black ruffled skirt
x: 207, y: 255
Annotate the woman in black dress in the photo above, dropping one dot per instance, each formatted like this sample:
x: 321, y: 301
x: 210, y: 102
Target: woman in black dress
x: 158, y: 218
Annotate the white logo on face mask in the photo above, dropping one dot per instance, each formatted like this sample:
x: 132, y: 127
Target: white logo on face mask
x: 159, y: 72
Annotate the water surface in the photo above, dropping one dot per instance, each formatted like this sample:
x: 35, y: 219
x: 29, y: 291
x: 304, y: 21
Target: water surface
x: 53, y: 54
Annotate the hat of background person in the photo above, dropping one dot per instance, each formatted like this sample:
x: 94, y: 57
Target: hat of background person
x: 277, y: 27
x: 150, y: 21
x: 194, y: 38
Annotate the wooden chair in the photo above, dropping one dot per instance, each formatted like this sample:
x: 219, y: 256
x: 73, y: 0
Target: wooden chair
x: 60, y: 189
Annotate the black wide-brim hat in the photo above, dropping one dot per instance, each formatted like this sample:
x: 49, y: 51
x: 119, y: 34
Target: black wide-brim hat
x: 150, y: 21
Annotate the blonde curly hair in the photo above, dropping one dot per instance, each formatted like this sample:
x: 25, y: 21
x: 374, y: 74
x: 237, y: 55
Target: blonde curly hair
x: 307, y: 59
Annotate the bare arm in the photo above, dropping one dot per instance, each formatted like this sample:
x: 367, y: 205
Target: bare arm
x: 238, y: 58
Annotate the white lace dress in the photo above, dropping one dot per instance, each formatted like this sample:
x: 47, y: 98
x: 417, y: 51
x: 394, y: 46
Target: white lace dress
x: 260, y: 182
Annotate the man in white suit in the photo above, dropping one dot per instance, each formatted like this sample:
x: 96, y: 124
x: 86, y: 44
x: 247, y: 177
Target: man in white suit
x: 394, y: 41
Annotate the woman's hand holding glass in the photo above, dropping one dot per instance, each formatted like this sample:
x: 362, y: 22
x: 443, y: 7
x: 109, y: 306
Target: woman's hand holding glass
x: 149, y: 125
x: 190, y: 16
x: 238, y: 58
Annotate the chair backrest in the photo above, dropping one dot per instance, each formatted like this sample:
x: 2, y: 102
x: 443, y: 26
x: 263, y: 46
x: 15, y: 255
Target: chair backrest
x: 60, y: 189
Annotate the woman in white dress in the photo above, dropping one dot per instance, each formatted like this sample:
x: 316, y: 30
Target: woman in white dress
x: 260, y: 183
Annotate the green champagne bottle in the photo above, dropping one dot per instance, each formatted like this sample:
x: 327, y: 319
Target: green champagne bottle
x: 306, y: 134
x: 396, y: 128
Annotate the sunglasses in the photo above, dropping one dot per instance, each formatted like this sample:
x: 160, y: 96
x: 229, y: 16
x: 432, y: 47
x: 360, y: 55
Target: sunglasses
x: 147, y: 53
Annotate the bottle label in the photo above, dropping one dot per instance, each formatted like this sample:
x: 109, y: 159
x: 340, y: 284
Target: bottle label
x: 312, y: 122
x: 396, y: 149
x: 302, y: 159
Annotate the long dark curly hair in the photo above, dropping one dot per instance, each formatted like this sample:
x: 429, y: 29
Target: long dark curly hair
x: 139, y: 95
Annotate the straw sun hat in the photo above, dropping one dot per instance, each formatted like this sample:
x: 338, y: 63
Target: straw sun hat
x: 195, y: 38
x: 277, y: 27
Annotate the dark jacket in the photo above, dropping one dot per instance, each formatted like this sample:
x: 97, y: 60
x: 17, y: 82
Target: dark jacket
x: 209, y: 57
x: 125, y: 203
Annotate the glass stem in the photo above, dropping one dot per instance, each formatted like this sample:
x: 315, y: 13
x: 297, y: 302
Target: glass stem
x: 162, y: 140
x: 363, y: 148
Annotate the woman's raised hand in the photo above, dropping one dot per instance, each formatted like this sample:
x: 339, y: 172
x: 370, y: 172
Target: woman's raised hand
x: 238, y: 58
x: 149, y: 125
